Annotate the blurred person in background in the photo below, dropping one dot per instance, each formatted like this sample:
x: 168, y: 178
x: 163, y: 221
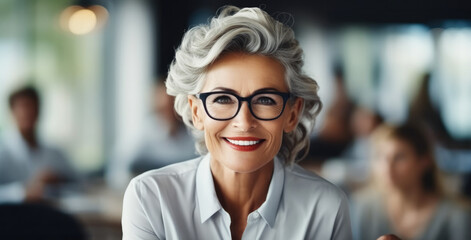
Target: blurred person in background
x: 406, y: 197
x: 452, y: 155
x: 363, y: 122
x: 335, y: 135
x: 28, y: 167
x: 168, y: 142
x: 163, y: 140
x: 351, y: 169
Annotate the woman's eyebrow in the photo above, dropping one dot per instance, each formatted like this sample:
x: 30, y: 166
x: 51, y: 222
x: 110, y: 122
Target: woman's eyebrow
x: 266, y: 90
x: 223, y: 89
x: 235, y: 92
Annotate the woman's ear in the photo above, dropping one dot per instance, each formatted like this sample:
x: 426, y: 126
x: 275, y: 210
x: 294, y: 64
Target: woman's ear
x: 294, y: 112
x: 196, y: 112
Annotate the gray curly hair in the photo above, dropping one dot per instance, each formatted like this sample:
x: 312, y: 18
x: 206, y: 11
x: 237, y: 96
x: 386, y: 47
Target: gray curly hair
x: 252, y: 31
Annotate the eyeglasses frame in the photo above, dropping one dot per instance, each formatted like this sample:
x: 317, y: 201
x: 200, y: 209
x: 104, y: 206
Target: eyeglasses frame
x: 286, y: 96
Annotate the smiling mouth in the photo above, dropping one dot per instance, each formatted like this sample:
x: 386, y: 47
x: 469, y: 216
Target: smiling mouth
x: 244, y: 143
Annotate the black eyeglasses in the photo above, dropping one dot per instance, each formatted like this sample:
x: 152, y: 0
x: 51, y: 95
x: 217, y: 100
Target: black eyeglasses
x: 223, y: 105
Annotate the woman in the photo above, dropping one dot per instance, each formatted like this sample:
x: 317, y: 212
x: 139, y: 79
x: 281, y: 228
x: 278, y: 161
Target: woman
x: 239, y: 86
x: 407, y: 199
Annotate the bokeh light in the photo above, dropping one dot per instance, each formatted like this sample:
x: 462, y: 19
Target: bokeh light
x: 82, y: 21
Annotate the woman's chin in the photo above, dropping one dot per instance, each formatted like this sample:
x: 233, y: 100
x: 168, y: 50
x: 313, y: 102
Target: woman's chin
x: 245, y: 165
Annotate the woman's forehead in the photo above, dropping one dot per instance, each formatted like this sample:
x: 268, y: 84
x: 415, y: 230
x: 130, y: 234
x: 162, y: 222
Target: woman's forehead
x: 244, y: 72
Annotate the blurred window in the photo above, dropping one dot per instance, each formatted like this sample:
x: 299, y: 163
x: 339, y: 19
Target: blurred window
x: 452, y: 82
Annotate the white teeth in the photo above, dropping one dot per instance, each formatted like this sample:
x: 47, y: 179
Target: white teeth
x: 243, y: 143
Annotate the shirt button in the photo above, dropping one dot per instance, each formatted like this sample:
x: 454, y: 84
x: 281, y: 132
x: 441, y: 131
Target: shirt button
x: 256, y: 215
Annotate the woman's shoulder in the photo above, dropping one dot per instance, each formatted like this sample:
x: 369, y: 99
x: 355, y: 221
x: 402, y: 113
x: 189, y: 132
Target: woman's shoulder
x: 183, y: 170
x: 308, y: 182
x: 319, y: 202
x: 302, y: 175
x: 451, y: 220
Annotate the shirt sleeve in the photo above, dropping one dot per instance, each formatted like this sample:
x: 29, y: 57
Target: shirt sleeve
x: 135, y: 221
x: 60, y: 164
x: 11, y: 189
x: 459, y: 223
x: 11, y: 192
x: 342, y: 226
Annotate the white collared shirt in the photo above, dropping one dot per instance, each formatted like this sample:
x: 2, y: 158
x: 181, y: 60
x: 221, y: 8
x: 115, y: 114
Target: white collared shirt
x: 180, y: 202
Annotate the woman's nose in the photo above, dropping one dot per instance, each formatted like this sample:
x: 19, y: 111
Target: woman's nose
x: 244, y: 120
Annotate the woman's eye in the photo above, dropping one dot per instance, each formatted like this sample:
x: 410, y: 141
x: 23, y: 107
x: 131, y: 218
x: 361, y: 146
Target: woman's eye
x: 265, y: 101
x: 223, y: 100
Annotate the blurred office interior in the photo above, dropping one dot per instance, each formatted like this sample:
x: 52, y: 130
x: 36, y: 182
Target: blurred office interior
x: 96, y: 62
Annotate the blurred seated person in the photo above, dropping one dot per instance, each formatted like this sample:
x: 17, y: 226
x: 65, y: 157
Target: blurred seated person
x: 453, y: 155
x: 27, y: 165
x: 362, y: 123
x: 350, y: 170
x: 163, y: 141
x: 167, y: 140
x: 406, y: 198
x: 334, y: 136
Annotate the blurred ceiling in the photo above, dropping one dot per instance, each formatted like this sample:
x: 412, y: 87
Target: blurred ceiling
x: 357, y: 10
x: 174, y: 15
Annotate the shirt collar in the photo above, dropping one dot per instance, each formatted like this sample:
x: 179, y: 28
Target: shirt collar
x: 208, y: 201
x: 16, y: 143
x: 269, y: 208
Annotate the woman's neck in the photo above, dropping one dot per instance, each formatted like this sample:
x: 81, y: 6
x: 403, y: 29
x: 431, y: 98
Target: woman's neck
x: 241, y: 190
x: 410, y: 199
x: 241, y: 193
